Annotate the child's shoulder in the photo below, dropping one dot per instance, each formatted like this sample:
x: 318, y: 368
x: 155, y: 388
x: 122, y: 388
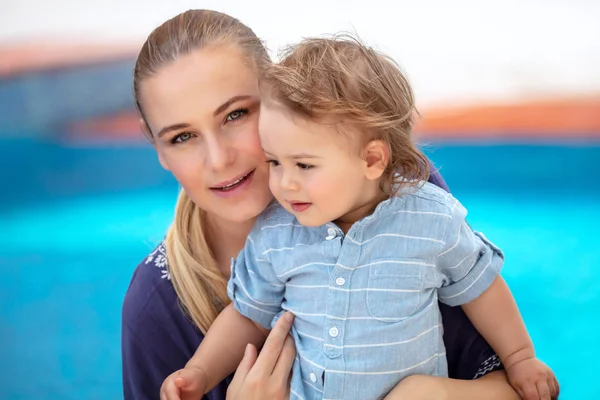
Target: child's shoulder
x: 427, y: 197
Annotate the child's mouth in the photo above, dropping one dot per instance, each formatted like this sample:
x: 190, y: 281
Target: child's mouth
x: 298, y: 206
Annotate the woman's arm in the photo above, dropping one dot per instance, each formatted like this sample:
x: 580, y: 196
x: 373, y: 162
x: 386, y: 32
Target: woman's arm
x: 493, y: 386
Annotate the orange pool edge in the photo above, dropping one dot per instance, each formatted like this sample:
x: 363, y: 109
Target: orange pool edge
x: 575, y: 118
x: 562, y: 118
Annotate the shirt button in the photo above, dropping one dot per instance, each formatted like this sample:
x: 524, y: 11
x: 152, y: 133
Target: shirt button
x: 334, y: 332
x: 331, y: 234
x: 313, y: 377
x: 340, y: 281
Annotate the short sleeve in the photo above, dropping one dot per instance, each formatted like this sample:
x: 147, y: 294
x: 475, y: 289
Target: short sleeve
x: 253, y: 287
x: 468, y: 262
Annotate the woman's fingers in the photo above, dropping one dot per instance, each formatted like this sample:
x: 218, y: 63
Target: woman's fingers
x: 283, y: 368
x: 266, y: 376
x: 274, y: 344
x: 250, y: 355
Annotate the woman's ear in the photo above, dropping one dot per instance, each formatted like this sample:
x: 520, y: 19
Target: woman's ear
x: 144, y: 127
x: 377, y: 156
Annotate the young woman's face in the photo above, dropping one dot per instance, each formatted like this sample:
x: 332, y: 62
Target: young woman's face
x: 202, y: 110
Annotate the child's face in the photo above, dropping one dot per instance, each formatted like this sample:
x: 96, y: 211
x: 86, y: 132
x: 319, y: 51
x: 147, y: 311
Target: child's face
x: 315, y: 173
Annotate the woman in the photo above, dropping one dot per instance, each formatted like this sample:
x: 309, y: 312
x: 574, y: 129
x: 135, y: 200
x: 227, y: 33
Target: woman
x: 196, y: 87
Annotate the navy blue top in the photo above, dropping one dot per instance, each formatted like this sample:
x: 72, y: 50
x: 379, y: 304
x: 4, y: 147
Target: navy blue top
x: 158, y: 338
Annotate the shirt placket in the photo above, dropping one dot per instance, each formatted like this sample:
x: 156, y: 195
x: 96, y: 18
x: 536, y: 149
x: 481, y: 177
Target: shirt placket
x: 338, y: 301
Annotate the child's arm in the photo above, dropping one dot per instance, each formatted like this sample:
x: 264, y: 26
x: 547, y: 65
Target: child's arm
x: 256, y: 294
x: 218, y: 356
x: 469, y: 267
x: 496, y: 316
x: 223, y: 347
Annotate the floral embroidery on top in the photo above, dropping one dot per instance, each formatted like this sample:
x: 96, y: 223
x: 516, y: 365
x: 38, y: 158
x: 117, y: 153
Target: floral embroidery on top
x: 159, y: 259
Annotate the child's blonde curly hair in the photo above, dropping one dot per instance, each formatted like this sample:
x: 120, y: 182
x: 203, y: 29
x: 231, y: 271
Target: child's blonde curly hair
x: 343, y: 80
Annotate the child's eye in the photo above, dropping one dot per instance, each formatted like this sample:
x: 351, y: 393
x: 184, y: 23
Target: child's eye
x: 273, y: 163
x: 304, y: 166
x: 236, y: 114
x: 182, y: 137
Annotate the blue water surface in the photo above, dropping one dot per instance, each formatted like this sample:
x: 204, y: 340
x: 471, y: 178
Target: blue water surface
x: 77, y: 220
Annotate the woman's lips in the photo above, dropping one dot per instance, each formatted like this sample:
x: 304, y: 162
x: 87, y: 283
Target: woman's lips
x: 235, y: 185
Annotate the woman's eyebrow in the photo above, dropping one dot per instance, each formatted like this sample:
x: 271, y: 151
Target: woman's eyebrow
x: 229, y: 102
x: 173, y: 127
x: 219, y: 110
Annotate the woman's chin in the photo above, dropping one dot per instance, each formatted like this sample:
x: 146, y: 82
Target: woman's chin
x: 244, y: 210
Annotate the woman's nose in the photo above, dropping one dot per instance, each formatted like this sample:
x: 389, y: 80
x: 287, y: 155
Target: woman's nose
x: 220, y: 154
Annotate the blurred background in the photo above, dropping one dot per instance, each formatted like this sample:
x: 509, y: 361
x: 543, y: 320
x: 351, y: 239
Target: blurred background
x: 509, y: 93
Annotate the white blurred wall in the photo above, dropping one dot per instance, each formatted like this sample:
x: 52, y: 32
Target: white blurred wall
x: 454, y: 51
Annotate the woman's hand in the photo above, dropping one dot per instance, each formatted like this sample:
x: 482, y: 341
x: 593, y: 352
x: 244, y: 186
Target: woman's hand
x: 493, y: 386
x: 266, y: 376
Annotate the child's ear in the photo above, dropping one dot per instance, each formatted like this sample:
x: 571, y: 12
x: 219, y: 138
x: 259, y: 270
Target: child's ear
x: 144, y: 127
x: 377, y: 157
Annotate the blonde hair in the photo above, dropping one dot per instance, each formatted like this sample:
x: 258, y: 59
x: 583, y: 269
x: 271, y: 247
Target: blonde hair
x: 343, y: 80
x: 198, y: 281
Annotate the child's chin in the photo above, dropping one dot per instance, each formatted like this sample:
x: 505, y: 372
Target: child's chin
x: 311, y: 222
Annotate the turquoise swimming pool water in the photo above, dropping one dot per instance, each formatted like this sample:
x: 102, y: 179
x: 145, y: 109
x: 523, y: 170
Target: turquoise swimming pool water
x: 76, y: 221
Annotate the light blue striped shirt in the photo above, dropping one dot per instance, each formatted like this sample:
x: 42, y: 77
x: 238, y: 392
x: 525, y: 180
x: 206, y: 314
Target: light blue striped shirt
x: 366, y: 302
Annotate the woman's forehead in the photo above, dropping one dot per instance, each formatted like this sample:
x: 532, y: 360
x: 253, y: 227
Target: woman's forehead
x: 201, y: 80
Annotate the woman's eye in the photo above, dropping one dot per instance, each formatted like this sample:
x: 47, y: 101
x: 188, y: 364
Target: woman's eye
x: 236, y: 114
x: 182, y: 137
x: 273, y: 163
